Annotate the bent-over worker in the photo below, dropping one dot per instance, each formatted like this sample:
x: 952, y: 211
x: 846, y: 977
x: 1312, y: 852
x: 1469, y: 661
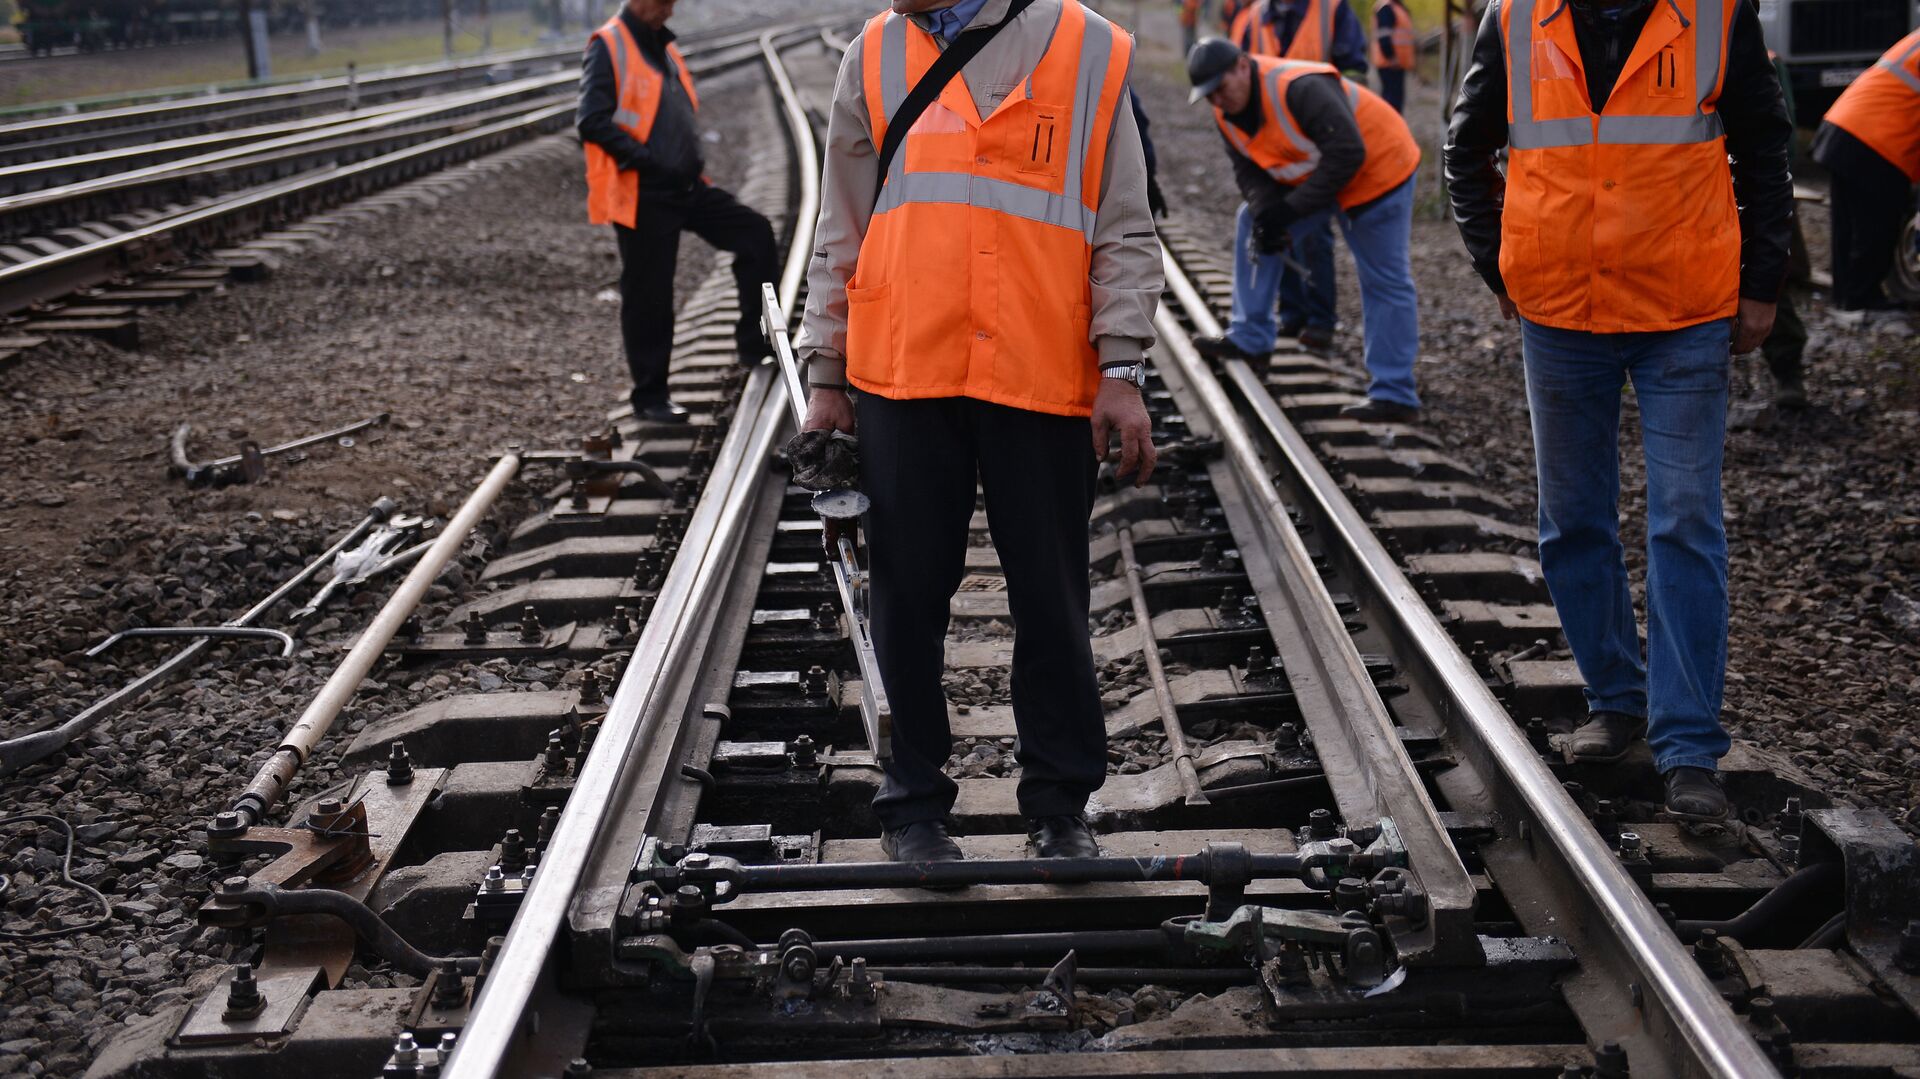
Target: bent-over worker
x: 1629, y: 248
x: 1329, y: 32
x: 989, y: 305
x: 1307, y: 143
x: 1870, y: 142
x: 637, y: 125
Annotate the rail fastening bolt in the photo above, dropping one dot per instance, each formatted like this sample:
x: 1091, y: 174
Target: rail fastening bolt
x: 447, y: 1041
x: 476, y: 628
x: 449, y: 989
x: 405, y: 1049
x: 233, y: 886
x: 399, y: 765
x: 1760, y: 1010
x: 327, y: 807
x: 804, y: 752
x: 590, y: 690
x: 495, y: 880
x: 1320, y: 824
x: 530, y: 630
x: 1630, y: 845
x: 227, y: 821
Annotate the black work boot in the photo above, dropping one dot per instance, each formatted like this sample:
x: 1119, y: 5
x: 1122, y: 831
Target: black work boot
x: 1062, y: 837
x: 1695, y: 794
x: 1605, y: 737
x: 661, y: 411
x: 1790, y: 393
x: 921, y: 841
x: 1375, y: 410
x: 1219, y: 348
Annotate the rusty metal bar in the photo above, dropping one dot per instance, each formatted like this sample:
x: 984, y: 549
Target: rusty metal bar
x: 1157, y: 671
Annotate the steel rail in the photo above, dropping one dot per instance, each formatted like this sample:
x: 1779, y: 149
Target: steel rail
x: 251, y: 142
x: 54, y: 275
x: 1367, y: 765
x: 498, y: 1018
x: 1705, y: 1034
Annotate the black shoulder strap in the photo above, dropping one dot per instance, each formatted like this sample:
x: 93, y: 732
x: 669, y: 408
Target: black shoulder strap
x: 935, y: 80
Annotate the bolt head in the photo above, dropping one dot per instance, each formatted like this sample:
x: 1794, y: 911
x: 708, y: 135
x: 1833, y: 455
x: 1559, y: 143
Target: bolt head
x: 696, y: 860
x: 233, y: 885
x: 227, y: 821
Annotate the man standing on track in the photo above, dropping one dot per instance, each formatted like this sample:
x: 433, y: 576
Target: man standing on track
x: 1326, y: 31
x: 637, y: 125
x: 1393, y: 51
x: 1629, y: 248
x: 1306, y: 145
x: 986, y: 281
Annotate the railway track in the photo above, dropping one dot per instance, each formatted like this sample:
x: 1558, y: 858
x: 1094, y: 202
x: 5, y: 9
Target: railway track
x: 1339, y: 837
x: 82, y: 255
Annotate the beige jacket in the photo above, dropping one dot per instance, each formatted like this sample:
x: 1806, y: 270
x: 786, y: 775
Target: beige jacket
x: 1126, y: 277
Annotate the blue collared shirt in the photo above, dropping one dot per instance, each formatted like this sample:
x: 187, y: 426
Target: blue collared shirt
x: 948, y: 22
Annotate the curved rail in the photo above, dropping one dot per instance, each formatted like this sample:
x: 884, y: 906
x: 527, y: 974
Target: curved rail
x: 1685, y: 1020
x: 632, y: 726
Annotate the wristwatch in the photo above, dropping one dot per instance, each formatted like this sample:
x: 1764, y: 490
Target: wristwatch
x: 1135, y: 373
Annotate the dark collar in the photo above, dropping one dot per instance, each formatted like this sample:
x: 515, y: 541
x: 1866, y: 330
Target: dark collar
x: 644, y: 35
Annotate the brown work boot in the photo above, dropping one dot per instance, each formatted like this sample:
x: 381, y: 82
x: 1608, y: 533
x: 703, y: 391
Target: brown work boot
x: 1605, y: 737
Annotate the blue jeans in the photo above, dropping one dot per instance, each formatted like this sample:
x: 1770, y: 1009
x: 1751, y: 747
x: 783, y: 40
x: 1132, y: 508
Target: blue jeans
x: 1311, y: 299
x: 1574, y: 383
x: 1378, y: 238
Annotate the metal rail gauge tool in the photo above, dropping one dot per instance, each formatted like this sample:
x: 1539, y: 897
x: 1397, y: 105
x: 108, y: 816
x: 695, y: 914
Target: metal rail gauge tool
x: 840, y: 512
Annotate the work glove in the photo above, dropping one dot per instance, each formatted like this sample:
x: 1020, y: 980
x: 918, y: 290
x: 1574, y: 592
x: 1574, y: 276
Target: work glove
x: 1156, y: 202
x: 1270, y: 235
x: 824, y: 460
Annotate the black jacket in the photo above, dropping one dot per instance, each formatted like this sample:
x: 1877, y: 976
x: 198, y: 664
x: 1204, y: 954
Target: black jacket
x: 1320, y: 106
x: 1752, y: 111
x: 670, y: 158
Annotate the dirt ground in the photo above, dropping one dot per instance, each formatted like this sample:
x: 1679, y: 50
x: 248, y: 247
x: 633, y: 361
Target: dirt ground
x: 1823, y: 507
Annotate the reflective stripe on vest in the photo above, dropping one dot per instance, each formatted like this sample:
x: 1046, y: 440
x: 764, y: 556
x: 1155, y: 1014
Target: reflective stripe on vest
x: 1621, y: 221
x: 1256, y: 36
x: 1288, y: 156
x: 613, y: 193
x: 1882, y: 107
x: 974, y: 275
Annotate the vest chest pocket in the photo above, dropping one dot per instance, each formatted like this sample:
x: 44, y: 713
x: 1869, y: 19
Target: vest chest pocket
x: 1664, y: 74
x: 1035, y: 138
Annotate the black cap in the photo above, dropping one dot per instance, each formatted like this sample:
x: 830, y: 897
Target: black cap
x: 1208, y: 63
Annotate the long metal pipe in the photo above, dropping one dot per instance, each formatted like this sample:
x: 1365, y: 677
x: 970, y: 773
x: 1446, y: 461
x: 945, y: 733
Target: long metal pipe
x: 20, y: 752
x: 1713, y: 1037
x: 271, y: 781
x: 1157, y: 672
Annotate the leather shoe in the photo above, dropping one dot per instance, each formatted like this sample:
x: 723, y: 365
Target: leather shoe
x: 1219, y: 348
x: 1605, y: 737
x: 1696, y: 794
x: 1374, y: 410
x: 921, y: 841
x: 662, y: 411
x: 1062, y: 837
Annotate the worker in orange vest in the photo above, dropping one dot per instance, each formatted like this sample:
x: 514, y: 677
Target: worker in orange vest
x: 1393, y: 51
x: 1327, y: 31
x: 637, y: 125
x: 1870, y: 142
x: 980, y: 298
x: 1630, y: 249
x: 1192, y: 13
x: 1306, y: 145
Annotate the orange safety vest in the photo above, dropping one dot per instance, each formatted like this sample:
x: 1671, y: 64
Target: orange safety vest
x: 1312, y: 41
x: 1230, y: 11
x: 1621, y: 221
x: 1882, y: 107
x: 973, y: 278
x: 1281, y: 148
x: 1403, y: 49
x: 613, y: 193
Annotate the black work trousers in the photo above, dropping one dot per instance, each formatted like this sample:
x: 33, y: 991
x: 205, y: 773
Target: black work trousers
x: 920, y: 462
x: 648, y: 252
x: 1870, y: 202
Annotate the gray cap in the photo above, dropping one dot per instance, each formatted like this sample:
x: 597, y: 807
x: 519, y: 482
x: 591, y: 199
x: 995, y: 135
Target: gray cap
x: 1208, y: 63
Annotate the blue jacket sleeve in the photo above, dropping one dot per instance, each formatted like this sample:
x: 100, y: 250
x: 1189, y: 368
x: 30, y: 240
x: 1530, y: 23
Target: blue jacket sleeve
x: 1349, y: 40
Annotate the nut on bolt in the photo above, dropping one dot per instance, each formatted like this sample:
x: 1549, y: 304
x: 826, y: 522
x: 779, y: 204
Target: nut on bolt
x: 399, y: 765
x: 1631, y: 845
x: 406, y: 1050
x: 244, y: 1000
